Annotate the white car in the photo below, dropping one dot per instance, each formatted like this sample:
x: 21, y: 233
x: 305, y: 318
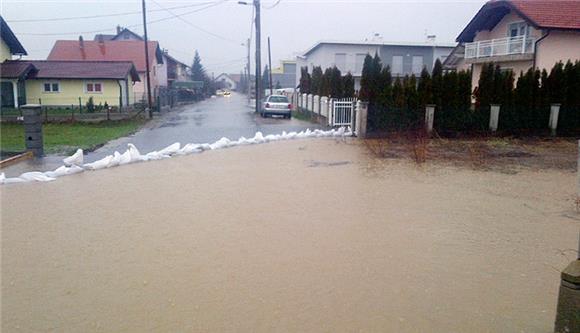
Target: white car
x: 276, y: 105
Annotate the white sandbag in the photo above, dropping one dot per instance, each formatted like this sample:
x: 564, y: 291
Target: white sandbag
x: 189, y: 148
x: 205, y: 146
x: 259, y: 137
x: 170, y: 150
x: 100, y: 164
x: 13, y: 180
x: 36, y: 176
x: 221, y: 143
x: 134, y: 153
x: 74, y: 159
x: 64, y: 171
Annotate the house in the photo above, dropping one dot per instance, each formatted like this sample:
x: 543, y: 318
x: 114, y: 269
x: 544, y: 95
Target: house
x: 518, y: 35
x: 403, y: 58
x: 176, y: 70
x: 9, y: 46
x: 113, y: 50
x: 226, y: 81
x: 66, y: 83
x: 285, y: 75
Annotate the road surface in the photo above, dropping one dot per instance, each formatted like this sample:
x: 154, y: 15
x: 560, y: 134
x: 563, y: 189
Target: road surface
x: 204, y: 122
x: 296, y: 236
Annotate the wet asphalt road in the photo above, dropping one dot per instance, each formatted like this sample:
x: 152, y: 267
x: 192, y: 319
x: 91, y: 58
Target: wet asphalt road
x: 203, y: 122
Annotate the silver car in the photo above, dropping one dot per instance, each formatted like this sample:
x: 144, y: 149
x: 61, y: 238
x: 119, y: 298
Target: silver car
x: 277, y: 105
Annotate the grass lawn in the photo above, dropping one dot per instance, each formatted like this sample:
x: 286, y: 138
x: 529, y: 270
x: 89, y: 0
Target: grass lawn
x: 65, y: 138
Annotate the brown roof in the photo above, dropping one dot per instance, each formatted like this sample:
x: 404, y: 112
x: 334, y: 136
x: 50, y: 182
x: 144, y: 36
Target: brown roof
x: 47, y: 69
x: 542, y: 14
x: 114, y: 50
x: 15, y: 69
x: 556, y: 14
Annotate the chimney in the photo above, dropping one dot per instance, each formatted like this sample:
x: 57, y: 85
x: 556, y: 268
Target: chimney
x: 81, y: 42
x: 118, y: 29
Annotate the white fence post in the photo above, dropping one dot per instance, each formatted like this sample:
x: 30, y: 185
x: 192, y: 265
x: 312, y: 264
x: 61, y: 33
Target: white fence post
x: 493, y: 117
x: 554, y: 113
x: 330, y: 111
x: 429, y: 117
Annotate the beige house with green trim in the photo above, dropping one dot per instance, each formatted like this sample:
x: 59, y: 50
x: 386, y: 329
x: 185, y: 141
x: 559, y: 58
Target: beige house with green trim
x: 71, y: 83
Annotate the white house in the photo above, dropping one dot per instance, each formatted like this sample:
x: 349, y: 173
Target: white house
x: 226, y: 81
x: 403, y: 57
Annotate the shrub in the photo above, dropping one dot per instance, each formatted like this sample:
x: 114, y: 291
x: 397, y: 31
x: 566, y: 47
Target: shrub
x: 90, y: 105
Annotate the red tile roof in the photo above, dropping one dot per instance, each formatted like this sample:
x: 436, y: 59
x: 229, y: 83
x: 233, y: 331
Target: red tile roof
x: 555, y: 14
x: 128, y: 50
x: 543, y: 14
x: 47, y: 69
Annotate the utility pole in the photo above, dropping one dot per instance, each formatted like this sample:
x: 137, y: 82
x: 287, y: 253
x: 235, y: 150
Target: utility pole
x: 270, y: 66
x: 149, y: 100
x: 258, y: 57
x: 249, y: 81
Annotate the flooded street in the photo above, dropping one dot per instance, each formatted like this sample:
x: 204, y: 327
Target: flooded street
x: 299, y: 236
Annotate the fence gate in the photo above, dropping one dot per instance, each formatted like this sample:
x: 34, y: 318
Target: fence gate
x: 343, y: 112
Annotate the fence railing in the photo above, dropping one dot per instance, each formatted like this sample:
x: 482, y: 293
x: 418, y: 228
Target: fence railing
x: 337, y: 112
x: 499, y: 47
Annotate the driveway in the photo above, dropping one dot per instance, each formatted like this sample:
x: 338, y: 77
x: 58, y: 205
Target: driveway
x: 207, y: 121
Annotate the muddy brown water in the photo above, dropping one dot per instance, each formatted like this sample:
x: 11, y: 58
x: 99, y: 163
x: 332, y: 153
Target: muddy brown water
x: 257, y: 239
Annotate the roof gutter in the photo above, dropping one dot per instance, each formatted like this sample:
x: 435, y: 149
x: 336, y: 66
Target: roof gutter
x: 536, y: 47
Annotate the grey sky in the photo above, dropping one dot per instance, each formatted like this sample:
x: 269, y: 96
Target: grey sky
x: 293, y: 25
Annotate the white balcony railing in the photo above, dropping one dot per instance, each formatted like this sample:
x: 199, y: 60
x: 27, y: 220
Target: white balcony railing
x: 500, y: 47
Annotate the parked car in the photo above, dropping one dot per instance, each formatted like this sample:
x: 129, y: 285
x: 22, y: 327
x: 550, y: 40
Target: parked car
x: 227, y: 93
x: 276, y: 105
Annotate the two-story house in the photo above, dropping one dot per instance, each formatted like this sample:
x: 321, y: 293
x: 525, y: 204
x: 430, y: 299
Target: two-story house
x: 113, y: 50
x: 403, y: 58
x: 518, y: 35
x: 9, y: 46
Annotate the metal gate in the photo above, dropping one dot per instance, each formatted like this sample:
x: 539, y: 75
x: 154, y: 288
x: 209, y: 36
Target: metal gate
x: 343, y: 112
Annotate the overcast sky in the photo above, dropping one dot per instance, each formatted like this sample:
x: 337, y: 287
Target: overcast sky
x: 217, y: 28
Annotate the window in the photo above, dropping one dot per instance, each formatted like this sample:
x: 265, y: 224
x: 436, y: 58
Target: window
x: 340, y: 60
x: 94, y: 87
x: 417, y: 64
x: 518, y: 29
x: 51, y: 87
x: 359, y: 62
x: 397, y: 65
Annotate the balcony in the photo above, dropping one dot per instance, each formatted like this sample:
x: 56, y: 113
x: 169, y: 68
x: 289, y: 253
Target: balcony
x: 522, y: 47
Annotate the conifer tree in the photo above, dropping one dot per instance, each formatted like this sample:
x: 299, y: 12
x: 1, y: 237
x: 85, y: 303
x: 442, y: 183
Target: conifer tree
x: 316, y: 81
x: 304, y: 80
x: 366, y: 82
x: 425, y: 88
x: 348, y: 85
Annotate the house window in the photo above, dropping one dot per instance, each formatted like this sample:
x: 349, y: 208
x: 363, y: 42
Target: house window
x: 94, y: 87
x: 397, y: 65
x: 417, y: 64
x: 51, y: 87
x: 340, y: 60
x: 360, y: 61
x: 518, y: 29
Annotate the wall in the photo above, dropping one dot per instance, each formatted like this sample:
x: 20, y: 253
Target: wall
x: 501, y: 29
x: 323, y: 56
x: 558, y: 46
x: 5, y: 53
x: 70, y: 91
x: 516, y: 66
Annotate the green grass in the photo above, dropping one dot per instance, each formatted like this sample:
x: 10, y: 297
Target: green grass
x: 301, y: 116
x: 65, y: 138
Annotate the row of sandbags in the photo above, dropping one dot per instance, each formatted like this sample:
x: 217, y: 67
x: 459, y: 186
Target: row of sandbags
x: 75, y: 163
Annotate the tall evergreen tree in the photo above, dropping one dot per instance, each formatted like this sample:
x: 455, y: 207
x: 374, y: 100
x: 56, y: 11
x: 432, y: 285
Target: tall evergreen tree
x: 326, y: 82
x: 366, y: 81
x: 304, y: 80
x: 425, y: 88
x: 336, y: 83
x: 348, y: 84
x: 399, y: 100
x: 197, y: 70
x: 437, y: 83
x: 266, y: 78
x: 316, y: 81
x: 385, y: 96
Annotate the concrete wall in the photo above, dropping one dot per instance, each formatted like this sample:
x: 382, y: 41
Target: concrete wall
x: 5, y: 53
x: 558, y: 46
x: 71, y: 90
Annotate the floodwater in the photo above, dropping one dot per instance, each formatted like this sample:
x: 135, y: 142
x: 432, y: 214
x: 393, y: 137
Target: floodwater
x: 297, y: 236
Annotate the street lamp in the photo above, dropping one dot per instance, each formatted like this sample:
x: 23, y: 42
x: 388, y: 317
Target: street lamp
x: 258, y: 52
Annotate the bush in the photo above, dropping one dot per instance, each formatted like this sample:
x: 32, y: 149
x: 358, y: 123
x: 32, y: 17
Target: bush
x: 90, y: 105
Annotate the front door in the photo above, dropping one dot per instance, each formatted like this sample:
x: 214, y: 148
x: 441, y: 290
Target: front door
x: 7, y: 92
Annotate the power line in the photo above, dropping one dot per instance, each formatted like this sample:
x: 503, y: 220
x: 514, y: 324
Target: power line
x: 212, y: 4
x: 99, y: 16
x: 274, y: 5
x: 195, y: 26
